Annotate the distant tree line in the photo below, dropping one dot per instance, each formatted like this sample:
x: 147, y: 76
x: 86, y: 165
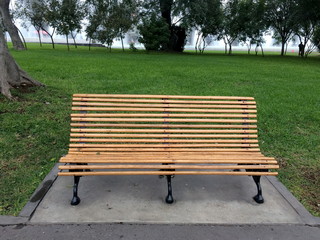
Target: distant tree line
x: 164, y: 24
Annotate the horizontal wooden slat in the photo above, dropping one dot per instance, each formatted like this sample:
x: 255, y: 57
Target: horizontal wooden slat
x: 163, y: 126
x: 85, y: 119
x: 166, y: 173
x: 101, y: 130
x: 166, y: 161
x: 171, y: 155
x: 177, y: 155
x: 159, y: 96
x: 163, y: 115
x: 165, y: 105
x: 161, y: 140
x: 119, y: 135
x: 108, y: 109
x: 164, y: 149
x: 160, y: 145
x: 172, y: 166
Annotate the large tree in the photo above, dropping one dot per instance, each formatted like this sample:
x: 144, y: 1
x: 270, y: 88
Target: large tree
x: 69, y: 18
x: 253, y: 22
x: 9, y: 26
x: 233, y: 23
x: 280, y: 16
x: 100, y: 27
x: 11, y: 75
x: 307, y: 23
x: 172, y: 13
x: 204, y: 16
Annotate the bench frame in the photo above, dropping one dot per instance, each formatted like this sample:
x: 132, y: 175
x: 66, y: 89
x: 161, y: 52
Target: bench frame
x: 189, y: 135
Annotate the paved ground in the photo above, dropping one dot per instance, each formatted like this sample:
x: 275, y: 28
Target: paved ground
x: 140, y: 199
x: 206, y: 207
x: 156, y: 231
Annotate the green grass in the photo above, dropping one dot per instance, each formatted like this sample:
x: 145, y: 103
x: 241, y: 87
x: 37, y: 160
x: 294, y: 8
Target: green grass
x: 34, y: 130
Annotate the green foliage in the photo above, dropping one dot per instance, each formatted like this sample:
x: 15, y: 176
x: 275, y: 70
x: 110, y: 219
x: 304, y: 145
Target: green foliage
x: 69, y: 17
x: 110, y: 19
x: 280, y: 16
x: 316, y: 38
x: 232, y: 23
x: 154, y: 32
x: 252, y: 21
x: 100, y: 28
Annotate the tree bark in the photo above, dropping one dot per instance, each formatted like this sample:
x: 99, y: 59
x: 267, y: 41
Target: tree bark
x: 11, y: 75
x: 122, y: 43
x: 39, y: 36
x: 282, y: 47
x: 10, y: 27
x: 177, y: 33
x: 68, y: 42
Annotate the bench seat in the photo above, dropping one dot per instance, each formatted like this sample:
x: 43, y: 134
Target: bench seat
x: 164, y: 135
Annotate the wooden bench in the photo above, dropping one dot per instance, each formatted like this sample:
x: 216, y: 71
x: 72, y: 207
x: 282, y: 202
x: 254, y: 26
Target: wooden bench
x: 164, y: 135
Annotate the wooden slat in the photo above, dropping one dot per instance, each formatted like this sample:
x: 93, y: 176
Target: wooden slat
x: 160, y: 145
x: 119, y: 135
x: 174, y: 156
x: 204, y: 154
x: 151, y: 161
x: 159, y: 96
x: 164, y: 105
x: 195, y: 155
x: 173, y: 166
x: 164, y: 149
x: 161, y: 140
x: 137, y: 125
x: 101, y: 130
x: 171, y: 156
x: 108, y: 109
x: 84, y: 119
x: 166, y: 173
x: 163, y: 115
x: 165, y: 101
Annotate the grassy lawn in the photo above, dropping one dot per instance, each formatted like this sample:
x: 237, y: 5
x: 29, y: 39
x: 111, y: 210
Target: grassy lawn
x: 34, y: 130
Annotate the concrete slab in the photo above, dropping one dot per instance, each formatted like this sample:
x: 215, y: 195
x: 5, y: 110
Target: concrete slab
x: 140, y: 199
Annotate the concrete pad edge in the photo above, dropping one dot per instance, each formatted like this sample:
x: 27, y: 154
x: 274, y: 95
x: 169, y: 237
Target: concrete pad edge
x: 304, y: 214
x: 39, y: 193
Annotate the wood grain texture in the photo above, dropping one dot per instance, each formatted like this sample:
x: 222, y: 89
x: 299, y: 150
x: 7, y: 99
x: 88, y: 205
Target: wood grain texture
x: 133, y: 134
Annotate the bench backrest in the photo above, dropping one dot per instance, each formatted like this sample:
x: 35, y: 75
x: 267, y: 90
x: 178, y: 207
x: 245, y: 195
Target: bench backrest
x: 121, y: 123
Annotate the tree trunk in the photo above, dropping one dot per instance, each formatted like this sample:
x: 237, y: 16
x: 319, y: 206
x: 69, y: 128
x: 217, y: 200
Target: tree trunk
x: 11, y: 76
x: 282, y: 47
x: 39, y: 36
x: 262, y: 50
x: 122, y: 43
x: 23, y: 39
x: 225, y: 45
x: 10, y: 27
x: 68, y: 42
x: 74, y: 40
x: 51, y: 36
x: 166, y: 7
x: 177, y: 33
x: 230, y: 48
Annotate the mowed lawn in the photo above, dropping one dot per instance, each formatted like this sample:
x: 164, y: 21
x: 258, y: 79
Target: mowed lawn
x: 34, y: 130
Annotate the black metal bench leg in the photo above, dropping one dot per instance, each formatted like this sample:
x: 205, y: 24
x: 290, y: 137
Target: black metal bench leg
x: 75, y: 199
x: 258, y: 198
x: 169, y: 198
